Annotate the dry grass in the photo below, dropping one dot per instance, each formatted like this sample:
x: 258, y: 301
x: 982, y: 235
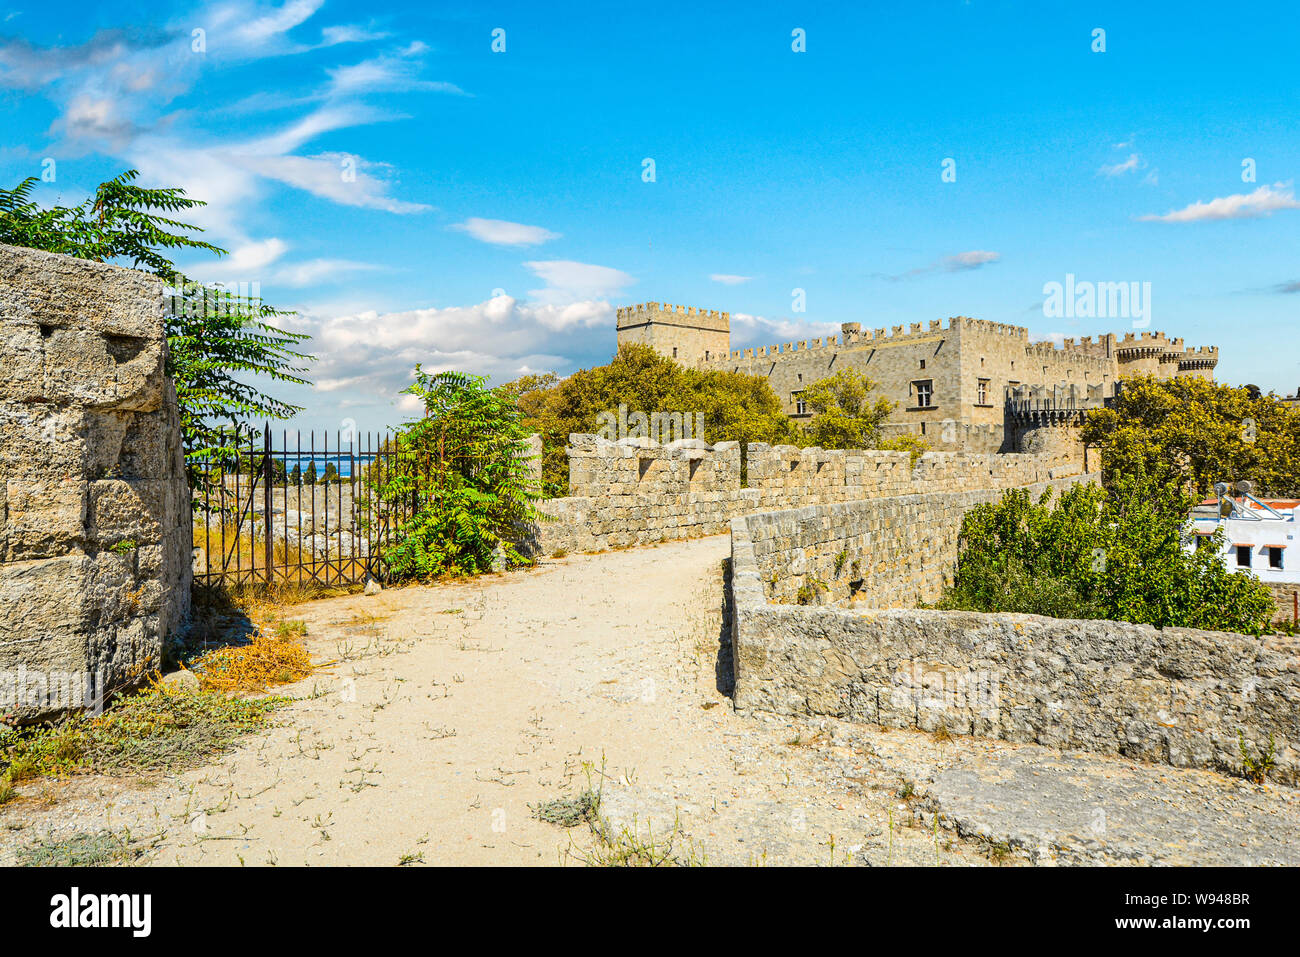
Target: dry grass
x: 156, y: 729
x: 274, y: 656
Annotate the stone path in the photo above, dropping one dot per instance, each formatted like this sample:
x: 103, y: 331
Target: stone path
x: 1074, y: 809
x: 443, y: 714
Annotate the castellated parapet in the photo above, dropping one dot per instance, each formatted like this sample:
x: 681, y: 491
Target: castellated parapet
x: 636, y: 492
x: 950, y: 380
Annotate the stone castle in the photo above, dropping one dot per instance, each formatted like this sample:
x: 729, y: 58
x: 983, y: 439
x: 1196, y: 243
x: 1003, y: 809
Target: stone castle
x: 966, y: 385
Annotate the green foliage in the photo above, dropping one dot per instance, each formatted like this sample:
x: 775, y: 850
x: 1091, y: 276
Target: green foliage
x: 844, y: 415
x: 1191, y: 432
x: 153, y: 729
x: 462, y: 473
x: 217, y: 340
x: 732, y: 407
x: 1257, y: 768
x: 1115, y: 554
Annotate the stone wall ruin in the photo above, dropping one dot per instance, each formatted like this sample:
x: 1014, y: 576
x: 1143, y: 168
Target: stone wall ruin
x: 95, y: 537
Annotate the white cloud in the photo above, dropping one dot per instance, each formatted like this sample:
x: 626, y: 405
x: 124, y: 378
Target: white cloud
x: 317, y: 272
x: 252, y: 27
x: 322, y: 175
x: 1264, y: 201
x: 332, y: 36
x: 373, y: 353
x: 1133, y: 162
x: 384, y: 74
x: 249, y: 260
x: 568, y: 281
x: 749, y: 330
x: 260, y: 262
x: 501, y: 232
x: 728, y: 279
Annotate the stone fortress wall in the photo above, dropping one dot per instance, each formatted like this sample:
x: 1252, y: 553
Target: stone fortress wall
x: 1175, y: 696
x: 970, y: 366
x: 636, y: 492
x: 95, y: 535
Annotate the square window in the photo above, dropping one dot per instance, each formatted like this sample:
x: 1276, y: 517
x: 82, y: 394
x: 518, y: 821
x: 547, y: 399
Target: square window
x: 800, y: 406
x: 1243, y: 556
x: 924, y: 393
x: 1275, y: 557
x: 983, y: 392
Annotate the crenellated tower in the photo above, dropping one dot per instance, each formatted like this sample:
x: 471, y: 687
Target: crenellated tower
x: 691, y: 336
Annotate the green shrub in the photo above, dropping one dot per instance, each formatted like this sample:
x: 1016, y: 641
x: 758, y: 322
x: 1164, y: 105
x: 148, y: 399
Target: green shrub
x: 461, y: 476
x: 1116, y: 554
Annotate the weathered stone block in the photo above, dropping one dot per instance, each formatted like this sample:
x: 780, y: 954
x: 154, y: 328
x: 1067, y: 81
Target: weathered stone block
x: 94, y: 507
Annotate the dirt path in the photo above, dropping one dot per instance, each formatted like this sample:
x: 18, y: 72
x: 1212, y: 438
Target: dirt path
x: 450, y: 710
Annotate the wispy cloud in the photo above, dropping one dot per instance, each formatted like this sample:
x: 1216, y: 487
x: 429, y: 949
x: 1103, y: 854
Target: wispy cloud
x: 501, y: 232
x: 1265, y: 201
x: 396, y: 73
x: 958, y: 262
x: 727, y: 279
x: 1133, y: 162
x: 114, y: 95
x: 1287, y: 287
x: 750, y: 330
x: 260, y: 261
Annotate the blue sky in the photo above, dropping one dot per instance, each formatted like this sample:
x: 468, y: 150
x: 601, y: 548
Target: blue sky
x: 499, y: 213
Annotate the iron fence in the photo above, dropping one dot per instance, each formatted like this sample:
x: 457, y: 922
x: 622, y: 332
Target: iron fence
x: 307, y: 514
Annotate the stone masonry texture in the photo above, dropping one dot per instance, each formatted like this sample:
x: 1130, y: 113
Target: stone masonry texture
x: 637, y: 492
x: 1182, y: 697
x: 95, y: 535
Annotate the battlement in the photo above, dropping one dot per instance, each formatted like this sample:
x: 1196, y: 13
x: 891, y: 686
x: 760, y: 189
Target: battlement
x: 636, y: 491
x: 852, y: 334
x: 1069, y: 352
x: 644, y: 312
x: 1068, y: 394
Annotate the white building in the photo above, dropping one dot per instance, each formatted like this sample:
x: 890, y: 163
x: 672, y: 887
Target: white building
x: 1260, y: 534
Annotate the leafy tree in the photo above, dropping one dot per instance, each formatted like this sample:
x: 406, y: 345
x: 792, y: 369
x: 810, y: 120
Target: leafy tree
x: 1191, y: 433
x: 844, y: 415
x: 215, y: 338
x: 309, y: 476
x: 462, y: 471
x: 732, y: 406
x: 1114, y: 554
x: 295, y: 475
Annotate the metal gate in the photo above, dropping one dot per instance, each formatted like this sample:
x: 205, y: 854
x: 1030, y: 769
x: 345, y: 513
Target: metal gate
x: 296, y: 514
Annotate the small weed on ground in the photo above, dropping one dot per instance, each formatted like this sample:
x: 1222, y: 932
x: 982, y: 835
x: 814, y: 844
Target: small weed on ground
x: 569, y: 812
x: 102, y: 849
